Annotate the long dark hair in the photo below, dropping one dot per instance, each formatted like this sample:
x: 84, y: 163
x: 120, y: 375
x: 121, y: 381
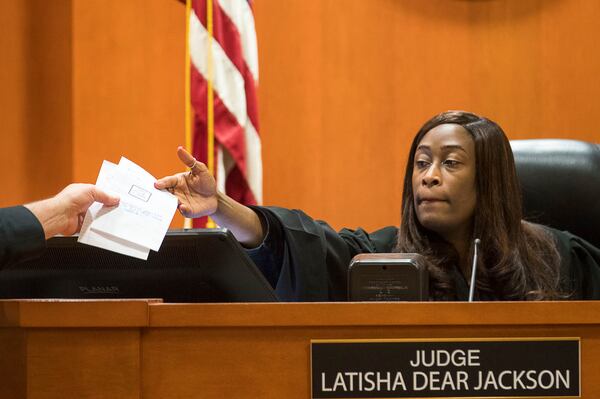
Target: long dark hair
x: 517, y: 260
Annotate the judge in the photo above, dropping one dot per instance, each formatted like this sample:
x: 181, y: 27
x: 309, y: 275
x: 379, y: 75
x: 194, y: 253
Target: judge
x: 460, y: 184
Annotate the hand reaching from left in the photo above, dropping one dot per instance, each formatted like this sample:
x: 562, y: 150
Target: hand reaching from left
x: 64, y: 213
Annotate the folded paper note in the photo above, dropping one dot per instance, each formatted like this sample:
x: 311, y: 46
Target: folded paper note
x: 141, y: 220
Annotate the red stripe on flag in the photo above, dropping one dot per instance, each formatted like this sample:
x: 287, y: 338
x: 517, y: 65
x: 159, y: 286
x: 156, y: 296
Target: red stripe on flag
x: 237, y: 188
x: 227, y: 130
x: 230, y: 135
x: 227, y: 35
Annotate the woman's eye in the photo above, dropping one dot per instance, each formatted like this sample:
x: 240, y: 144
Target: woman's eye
x: 451, y: 163
x: 421, y: 164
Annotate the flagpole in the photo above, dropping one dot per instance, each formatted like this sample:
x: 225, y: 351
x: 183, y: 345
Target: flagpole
x: 187, y: 222
x: 210, y: 97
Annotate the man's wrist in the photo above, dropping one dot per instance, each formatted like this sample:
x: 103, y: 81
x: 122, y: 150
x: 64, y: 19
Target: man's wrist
x: 48, y: 213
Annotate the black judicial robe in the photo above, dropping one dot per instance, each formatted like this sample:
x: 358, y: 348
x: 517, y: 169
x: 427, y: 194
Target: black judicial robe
x: 21, y: 235
x: 306, y: 260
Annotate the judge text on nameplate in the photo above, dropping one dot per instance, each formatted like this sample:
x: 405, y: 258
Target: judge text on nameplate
x: 446, y: 368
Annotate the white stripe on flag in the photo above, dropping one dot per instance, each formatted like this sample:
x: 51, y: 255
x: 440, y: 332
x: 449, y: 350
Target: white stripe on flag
x: 240, y: 13
x: 224, y: 164
x: 228, y: 81
x: 253, y: 161
x: 220, y: 168
x: 229, y: 85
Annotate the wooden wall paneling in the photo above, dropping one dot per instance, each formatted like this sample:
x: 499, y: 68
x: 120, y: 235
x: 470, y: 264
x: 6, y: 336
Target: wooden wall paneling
x: 344, y: 85
x: 241, y: 350
x: 375, y: 71
x: 35, y: 100
x: 96, y: 363
x: 13, y: 365
x: 71, y: 349
x: 263, y: 350
x: 128, y: 82
x: 13, y: 99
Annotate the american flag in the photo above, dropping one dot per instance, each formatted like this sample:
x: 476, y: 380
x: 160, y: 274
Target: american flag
x: 237, y: 149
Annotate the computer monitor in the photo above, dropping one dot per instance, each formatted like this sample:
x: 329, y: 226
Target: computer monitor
x: 196, y: 265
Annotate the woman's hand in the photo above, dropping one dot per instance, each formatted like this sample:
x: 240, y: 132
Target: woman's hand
x: 196, y: 190
x: 198, y: 196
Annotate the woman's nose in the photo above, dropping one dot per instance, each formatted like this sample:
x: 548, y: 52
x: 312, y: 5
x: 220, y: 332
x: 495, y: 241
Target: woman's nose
x: 432, y: 177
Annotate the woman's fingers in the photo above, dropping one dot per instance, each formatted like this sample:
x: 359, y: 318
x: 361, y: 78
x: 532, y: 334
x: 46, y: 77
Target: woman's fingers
x: 185, y: 157
x: 184, y: 209
x: 191, y: 162
x: 166, y: 182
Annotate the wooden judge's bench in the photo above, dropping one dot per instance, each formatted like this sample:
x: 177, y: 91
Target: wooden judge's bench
x: 147, y: 349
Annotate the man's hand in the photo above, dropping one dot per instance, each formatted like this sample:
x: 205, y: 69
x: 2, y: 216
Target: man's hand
x: 64, y: 213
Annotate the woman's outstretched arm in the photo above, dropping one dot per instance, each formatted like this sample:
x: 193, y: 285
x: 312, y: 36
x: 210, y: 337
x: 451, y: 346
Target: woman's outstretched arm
x: 198, y: 196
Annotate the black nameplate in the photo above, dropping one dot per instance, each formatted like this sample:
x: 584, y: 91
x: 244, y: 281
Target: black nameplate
x: 543, y: 367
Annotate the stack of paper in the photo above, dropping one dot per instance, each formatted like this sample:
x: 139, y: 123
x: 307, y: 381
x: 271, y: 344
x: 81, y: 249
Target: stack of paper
x: 140, y: 221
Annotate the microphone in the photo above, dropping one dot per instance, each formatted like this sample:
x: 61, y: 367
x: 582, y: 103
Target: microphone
x: 473, y: 270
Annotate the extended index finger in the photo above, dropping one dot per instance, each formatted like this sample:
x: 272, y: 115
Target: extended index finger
x: 196, y: 167
x: 185, y: 157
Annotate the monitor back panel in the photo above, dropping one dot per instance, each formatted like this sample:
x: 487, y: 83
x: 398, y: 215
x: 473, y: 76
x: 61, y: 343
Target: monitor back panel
x: 199, y: 265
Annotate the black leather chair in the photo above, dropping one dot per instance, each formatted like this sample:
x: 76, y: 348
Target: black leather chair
x: 560, y: 181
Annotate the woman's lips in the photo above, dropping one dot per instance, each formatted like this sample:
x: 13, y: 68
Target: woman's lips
x: 430, y: 200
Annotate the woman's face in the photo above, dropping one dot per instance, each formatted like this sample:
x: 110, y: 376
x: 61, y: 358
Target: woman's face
x: 443, y: 181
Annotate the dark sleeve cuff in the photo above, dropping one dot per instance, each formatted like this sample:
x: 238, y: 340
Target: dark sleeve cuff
x: 267, y: 256
x: 266, y: 226
x: 21, y: 235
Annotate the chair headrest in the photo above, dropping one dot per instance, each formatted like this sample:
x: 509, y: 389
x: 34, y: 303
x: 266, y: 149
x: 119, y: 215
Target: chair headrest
x: 560, y: 182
